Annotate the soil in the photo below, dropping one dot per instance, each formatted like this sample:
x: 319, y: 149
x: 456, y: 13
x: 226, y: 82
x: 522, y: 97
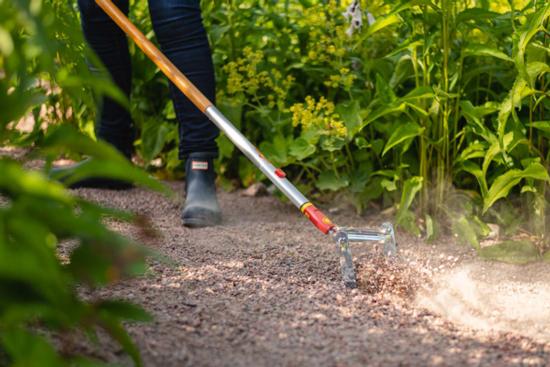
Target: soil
x: 264, y: 289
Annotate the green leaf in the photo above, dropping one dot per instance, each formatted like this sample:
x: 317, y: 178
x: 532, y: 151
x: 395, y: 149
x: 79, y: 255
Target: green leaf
x: 504, y: 183
x: 384, y: 91
x: 418, y: 93
x: 529, y: 30
x: 329, y: 181
x: 380, y: 24
x: 117, y: 332
x: 535, y: 69
x: 14, y: 180
x: 233, y: 110
x: 473, y: 169
x: 466, y: 233
x: 121, y: 170
x: 276, y: 151
x: 123, y: 310
x: 403, y: 133
x: 350, y: 114
x: 332, y: 143
x: 476, y: 15
x: 483, y: 50
x: 541, y: 125
x: 383, y: 111
x: 27, y: 349
x: 431, y: 228
x: 153, y: 139
x: 411, y: 187
x: 513, y: 252
x: 301, y: 149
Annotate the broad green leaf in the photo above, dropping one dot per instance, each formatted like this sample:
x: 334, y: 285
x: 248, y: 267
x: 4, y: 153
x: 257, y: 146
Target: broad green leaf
x: 535, y: 69
x: 403, y: 133
x: 233, y: 110
x: 497, y: 147
x: 483, y: 50
x: 383, y: 111
x: 329, y: 181
x: 513, y: 252
x: 14, y: 181
x: 360, y: 177
x: 418, y: 93
x: 154, y: 138
x: 332, y: 143
x: 67, y: 138
x: 29, y: 349
x: 388, y: 185
x: 276, y: 151
x: 6, y: 42
x: 541, y: 125
x: 411, y: 187
x: 361, y: 142
x: 472, y: 151
x: 431, y: 228
x: 378, y: 25
x: 476, y: 15
x: 383, y: 90
x: 120, y: 170
x: 301, y: 149
x: 473, y: 169
x: 504, y: 183
x: 350, y: 114
x: 528, y: 31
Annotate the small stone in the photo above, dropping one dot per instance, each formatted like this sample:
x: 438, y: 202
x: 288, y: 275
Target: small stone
x: 255, y: 190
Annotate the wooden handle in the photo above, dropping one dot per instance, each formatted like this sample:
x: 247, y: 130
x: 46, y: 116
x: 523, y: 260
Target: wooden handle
x: 165, y: 65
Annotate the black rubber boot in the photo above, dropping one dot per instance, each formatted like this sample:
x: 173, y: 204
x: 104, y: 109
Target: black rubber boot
x: 201, y: 207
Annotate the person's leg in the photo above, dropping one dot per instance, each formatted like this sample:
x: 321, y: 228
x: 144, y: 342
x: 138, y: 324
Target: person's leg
x: 114, y: 122
x: 179, y: 30
x: 111, y: 45
x: 182, y: 38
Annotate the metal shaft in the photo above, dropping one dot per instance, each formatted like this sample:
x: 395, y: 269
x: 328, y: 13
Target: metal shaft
x: 274, y: 174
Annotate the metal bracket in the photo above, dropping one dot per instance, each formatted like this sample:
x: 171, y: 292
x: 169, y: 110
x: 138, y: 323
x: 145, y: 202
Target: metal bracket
x: 343, y: 237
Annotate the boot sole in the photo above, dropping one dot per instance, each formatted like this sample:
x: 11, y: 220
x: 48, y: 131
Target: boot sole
x: 200, y: 222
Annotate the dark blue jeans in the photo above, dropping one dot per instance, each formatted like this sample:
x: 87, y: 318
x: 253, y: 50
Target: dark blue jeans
x: 181, y: 35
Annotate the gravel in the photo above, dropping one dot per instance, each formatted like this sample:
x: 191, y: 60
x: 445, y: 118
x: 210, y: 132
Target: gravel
x: 264, y: 289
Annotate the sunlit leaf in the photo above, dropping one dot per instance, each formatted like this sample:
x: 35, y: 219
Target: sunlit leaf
x: 483, y: 50
x: 402, y: 134
x: 505, y: 182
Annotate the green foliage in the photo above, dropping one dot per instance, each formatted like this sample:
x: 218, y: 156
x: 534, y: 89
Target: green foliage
x: 42, y: 70
x: 454, y: 93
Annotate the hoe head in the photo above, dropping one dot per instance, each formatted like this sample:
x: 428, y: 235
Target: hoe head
x: 343, y: 237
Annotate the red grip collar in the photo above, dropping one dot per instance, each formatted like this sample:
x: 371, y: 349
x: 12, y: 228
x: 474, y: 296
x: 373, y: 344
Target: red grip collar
x: 317, y: 217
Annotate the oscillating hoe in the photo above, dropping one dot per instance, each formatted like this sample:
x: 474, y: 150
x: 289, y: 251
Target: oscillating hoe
x: 341, y: 235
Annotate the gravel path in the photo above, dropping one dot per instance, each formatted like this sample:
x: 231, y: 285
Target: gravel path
x: 264, y: 289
